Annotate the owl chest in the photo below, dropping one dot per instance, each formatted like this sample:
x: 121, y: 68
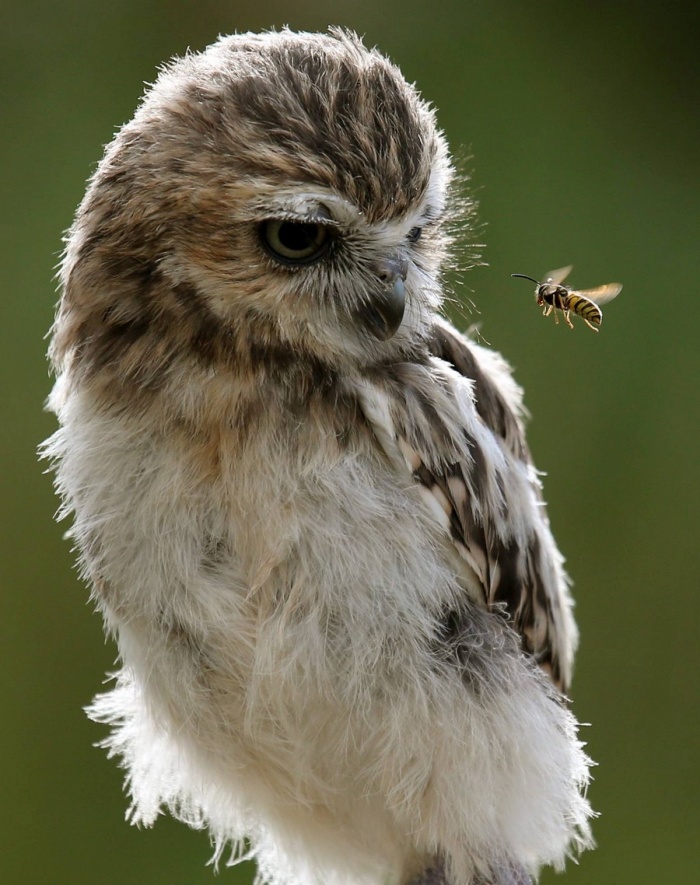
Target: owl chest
x: 338, y: 572
x: 251, y: 581
x: 317, y: 519
x: 292, y: 535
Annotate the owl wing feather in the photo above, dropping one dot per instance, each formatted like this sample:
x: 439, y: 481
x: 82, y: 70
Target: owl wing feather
x: 463, y: 442
x: 521, y: 571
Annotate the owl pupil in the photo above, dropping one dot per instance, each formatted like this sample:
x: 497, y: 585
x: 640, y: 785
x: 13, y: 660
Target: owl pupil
x: 298, y: 237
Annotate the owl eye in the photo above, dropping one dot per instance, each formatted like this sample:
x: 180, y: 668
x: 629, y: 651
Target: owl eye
x: 295, y: 242
x: 414, y: 234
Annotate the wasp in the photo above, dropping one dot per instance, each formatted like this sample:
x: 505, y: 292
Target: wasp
x: 553, y: 296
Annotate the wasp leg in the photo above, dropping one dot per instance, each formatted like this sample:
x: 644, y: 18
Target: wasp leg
x: 552, y: 309
x: 590, y: 325
x: 567, y: 317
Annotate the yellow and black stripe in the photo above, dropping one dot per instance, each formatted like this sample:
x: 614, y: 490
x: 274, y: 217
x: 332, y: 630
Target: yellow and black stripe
x: 585, y: 308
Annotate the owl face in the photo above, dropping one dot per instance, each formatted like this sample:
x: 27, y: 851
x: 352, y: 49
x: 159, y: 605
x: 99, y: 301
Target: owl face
x: 290, y: 186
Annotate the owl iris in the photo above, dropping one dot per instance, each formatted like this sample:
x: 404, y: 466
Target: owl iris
x: 295, y: 242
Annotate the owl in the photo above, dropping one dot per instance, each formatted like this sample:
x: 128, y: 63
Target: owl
x: 303, y: 501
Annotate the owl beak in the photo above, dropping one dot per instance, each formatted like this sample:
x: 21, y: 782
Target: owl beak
x: 383, y: 312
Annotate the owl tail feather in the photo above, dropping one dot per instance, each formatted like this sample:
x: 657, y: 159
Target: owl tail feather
x: 435, y: 875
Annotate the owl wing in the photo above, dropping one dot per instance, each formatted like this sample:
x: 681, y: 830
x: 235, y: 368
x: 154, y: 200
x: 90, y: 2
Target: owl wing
x: 457, y: 424
x: 497, y: 516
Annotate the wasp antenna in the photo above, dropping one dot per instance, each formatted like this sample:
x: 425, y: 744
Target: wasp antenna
x: 526, y: 277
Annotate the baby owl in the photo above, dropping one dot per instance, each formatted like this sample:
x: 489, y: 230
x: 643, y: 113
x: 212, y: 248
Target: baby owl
x: 303, y: 500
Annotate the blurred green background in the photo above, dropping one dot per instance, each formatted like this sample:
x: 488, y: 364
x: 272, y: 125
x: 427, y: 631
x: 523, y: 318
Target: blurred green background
x: 582, y: 127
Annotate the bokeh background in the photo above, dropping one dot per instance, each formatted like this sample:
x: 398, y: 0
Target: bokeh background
x: 582, y: 127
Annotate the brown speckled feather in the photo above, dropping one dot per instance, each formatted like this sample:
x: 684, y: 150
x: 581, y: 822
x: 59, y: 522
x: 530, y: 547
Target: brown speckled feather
x: 475, y: 499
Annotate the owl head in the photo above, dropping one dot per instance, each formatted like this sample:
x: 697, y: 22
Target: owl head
x: 278, y: 193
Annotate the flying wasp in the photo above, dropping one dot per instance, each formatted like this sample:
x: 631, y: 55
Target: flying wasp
x: 553, y: 296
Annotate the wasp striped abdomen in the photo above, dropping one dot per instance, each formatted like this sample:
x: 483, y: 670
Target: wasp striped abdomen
x: 585, y: 308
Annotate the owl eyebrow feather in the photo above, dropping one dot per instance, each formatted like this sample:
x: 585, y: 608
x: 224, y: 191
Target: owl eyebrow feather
x: 319, y: 206
x: 299, y: 217
x: 431, y: 214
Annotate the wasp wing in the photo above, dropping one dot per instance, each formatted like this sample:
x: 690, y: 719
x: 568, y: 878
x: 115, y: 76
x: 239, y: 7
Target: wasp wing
x: 558, y: 276
x: 601, y: 294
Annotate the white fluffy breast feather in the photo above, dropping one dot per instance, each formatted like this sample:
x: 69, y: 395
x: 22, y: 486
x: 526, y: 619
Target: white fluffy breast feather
x: 274, y: 613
